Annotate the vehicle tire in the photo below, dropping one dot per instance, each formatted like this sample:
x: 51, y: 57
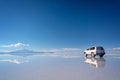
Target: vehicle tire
x: 85, y: 54
x: 101, y: 55
x: 92, y: 54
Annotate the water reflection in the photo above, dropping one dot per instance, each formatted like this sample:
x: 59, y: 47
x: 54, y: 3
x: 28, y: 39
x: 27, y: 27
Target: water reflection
x: 95, y: 62
x: 13, y: 59
x: 57, y: 67
x: 16, y: 61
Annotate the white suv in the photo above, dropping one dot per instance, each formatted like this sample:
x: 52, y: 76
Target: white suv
x: 95, y: 50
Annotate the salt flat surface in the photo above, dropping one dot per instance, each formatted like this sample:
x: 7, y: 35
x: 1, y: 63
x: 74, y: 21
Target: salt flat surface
x: 59, y: 67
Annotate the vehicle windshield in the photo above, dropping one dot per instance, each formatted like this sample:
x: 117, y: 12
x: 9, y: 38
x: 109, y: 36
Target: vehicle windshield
x: 100, y: 48
x: 92, y: 48
x: 87, y: 49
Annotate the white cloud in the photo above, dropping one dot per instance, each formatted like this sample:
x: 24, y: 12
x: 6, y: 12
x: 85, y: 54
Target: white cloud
x: 69, y: 56
x: 71, y: 49
x: 54, y: 50
x: 116, y: 48
x: 51, y: 50
x: 15, y: 45
x: 62, y: 50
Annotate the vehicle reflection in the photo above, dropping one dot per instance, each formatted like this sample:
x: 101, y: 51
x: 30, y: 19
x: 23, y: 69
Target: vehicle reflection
x: 95, y: 62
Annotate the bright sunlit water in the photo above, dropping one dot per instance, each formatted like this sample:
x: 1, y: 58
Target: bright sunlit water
x: 59, y: 67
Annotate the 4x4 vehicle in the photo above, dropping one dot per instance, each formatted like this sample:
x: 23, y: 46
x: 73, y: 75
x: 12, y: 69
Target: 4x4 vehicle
x: 95, y: 50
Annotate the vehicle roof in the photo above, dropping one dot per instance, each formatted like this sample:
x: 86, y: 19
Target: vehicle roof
x: 96, y: 46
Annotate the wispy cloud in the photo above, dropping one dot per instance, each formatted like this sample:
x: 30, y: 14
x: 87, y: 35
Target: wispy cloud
x: 71, y: 49
x: 51, y: 50
x: 118, y: 48
x: 14, y: 45
x: 61, y: 50
x: 71, y: 56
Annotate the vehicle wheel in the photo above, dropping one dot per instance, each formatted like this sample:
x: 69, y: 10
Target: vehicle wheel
x: 101, y: 55
x: 85, y: 54
x: 92, y: 54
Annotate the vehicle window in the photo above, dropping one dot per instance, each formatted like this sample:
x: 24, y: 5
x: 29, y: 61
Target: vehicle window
x: 100, y: 48
x: 92, y: 48
x: 88, y: 49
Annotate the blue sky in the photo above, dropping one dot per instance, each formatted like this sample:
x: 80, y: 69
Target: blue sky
x: 47, y: 24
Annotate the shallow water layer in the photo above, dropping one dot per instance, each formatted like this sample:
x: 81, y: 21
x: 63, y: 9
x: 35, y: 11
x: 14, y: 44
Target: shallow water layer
x: 58, y: 68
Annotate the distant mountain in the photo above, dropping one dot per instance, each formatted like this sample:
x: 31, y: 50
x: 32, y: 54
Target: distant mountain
x: 3, y: 52
x: 25, y: 51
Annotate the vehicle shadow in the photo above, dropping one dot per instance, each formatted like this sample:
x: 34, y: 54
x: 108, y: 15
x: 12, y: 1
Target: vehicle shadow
x: 95, y: 62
